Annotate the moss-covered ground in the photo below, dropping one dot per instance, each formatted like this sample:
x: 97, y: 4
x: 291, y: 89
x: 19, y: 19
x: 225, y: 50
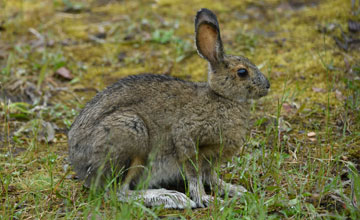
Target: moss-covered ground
x: 302, y: 156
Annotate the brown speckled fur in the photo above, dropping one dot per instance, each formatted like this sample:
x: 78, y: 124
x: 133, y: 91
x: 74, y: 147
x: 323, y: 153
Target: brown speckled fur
x: 169, y: 125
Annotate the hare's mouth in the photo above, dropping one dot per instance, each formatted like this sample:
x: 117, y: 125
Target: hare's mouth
x: 261, y: 93
x: 264, y: 92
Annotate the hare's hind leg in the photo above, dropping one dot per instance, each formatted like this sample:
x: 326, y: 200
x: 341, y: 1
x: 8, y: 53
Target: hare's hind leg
x: 115, y: 142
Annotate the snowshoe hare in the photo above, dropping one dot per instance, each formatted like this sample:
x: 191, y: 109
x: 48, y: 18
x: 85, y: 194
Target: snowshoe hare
x: 166, y: 130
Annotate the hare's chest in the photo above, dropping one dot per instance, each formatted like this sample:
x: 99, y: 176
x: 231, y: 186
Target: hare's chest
x: 234, y: 123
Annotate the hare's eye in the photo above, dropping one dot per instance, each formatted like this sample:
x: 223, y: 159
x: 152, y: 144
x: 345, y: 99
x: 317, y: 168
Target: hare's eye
x: 242, y: 72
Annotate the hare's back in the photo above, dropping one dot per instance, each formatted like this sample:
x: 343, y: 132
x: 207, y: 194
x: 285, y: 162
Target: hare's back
x: 145, y: 92
x: 143, y: 89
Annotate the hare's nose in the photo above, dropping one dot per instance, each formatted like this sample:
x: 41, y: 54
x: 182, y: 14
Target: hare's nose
x: 267, y: 84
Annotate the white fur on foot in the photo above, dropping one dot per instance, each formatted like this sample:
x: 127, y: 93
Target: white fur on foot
x: 236, y: 190
x: 170, y: 199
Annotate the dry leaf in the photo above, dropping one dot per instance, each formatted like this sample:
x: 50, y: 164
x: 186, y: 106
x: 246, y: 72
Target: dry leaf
x: 287, y: 107
x: 339, y: 95
x: 46, y: 130
x: 315, y: 89
x: 64, y: 73
x: 290, y: 108
x: 311, y: 134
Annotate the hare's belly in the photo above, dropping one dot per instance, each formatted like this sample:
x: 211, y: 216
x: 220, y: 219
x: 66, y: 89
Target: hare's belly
x: 164, y: 170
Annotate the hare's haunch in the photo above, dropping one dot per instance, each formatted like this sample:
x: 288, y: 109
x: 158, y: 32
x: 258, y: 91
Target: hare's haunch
x: 162, y: 129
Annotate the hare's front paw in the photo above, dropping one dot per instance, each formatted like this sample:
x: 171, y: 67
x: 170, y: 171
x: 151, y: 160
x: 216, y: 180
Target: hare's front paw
x: 206, y: 201
x: 235, y: 190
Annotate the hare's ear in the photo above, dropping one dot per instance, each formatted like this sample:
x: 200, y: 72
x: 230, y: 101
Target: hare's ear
x: 207, y: 36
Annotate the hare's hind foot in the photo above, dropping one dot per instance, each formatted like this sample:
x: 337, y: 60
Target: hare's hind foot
x: 170, y: 199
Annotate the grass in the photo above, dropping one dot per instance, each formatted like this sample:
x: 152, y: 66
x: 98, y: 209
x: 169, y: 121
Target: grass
x: 301, y: 160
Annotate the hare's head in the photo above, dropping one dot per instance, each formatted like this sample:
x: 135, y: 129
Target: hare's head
x: 233, y: 77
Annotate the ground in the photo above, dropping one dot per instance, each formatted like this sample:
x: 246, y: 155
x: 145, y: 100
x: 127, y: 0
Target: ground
x: 302, y: 156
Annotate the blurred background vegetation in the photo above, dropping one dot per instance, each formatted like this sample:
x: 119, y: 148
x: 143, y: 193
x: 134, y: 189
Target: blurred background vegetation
x: 302, y: 156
